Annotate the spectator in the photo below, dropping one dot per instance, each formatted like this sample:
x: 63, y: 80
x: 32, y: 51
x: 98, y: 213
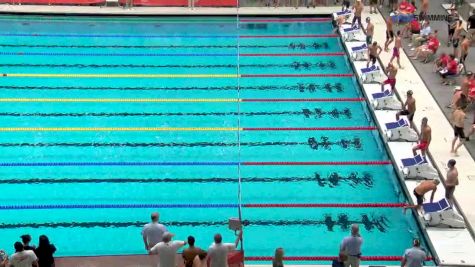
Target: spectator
x: 167, y: 250
x: 218, y: 251
x: 452, y: 19
x: 425, y: 50
x: 421, y: 190
x: 413, y: 28
x: 277, y: 261
x: 200, y: 260
x: 45, y: 252
x: 413, y: 257
x: 26, y: 239
x: 461, y: 93
x: 452, y: 181
x: 22, y: 257
x: 3, y: 258
x: 425, y: 138
x: 451, y: 69
x: 152, y: 232
x: 458, y: 117
x: 351, y: 247
x: 441, y: 62
x: 471, y: 25
x: 418, y: 39
x: 191, y: 252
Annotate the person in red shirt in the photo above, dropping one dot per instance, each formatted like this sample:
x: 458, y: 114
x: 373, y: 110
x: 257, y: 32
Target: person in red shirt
x: 441, y: 62
x: 430, y: 48
x: 451, y: 69
x: 413, y: 27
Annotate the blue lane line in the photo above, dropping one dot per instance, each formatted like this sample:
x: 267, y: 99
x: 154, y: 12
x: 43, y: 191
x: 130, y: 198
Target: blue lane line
x: 45, y: 164
x: 116, y: 35
x: 118, y: 54
x: 113, y: 206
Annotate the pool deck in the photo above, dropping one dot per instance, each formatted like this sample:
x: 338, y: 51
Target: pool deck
x: 450, y: 251
x: 446, y: 242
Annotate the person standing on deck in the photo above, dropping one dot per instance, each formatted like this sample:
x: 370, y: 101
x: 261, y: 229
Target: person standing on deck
x: 350, y: 247
x: 452, y: 181
x: 152, y: 233
x: 426, y: 137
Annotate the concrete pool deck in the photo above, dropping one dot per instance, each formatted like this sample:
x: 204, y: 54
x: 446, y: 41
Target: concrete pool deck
x: 408, y: 78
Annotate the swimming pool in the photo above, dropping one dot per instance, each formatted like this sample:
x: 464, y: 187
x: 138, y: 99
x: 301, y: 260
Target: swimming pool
x: 104, y: 120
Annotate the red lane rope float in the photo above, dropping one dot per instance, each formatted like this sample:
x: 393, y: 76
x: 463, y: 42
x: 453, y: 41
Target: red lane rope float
x: 328, y: 258
x: 290, y: 36
x: 295, y: 54
x: 357, y: 99
x: 328, y: 205
x: 364, y: 128
x: 382, y: 162
x: 296, y: 75
x: 287, y: 20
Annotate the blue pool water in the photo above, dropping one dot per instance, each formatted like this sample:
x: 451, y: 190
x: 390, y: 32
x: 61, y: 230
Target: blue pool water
x: 53, y: 45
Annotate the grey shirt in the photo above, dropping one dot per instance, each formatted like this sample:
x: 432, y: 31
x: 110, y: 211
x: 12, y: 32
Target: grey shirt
x: 153, y: 232
x: 352, y: 245
x: 414, y: 257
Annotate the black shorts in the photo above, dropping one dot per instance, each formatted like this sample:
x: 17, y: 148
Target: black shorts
x: 455, y: 43
x: 416, y: 32
x: 346, y: 4
x: 389, y: 35
x: 373, y: 2
x: 451, y: 31
x: 462, y: 58
x: 422, y: 15
x: 369, y: 39
x: 458, y: 132
x: 420, y: 199
x: 405, y: 112
x: 372, y: 58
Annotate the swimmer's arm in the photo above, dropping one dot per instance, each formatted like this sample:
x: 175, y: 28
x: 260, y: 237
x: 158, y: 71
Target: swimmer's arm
x: 380, y: 50
x: 429, y: 138
x: 405, y: 105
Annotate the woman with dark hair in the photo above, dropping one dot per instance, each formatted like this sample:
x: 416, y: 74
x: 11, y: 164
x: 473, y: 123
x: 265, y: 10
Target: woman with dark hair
x: 26, y: 239
x: 45, y: 252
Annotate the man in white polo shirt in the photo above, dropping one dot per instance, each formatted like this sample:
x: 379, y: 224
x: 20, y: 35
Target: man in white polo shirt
x: 351, y: 247
x: 152, y: 232
x: 167, y: 250
x: 218, y: 251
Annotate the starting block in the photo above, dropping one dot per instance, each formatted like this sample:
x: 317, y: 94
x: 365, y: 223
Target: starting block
x: 440, y: 214
x: 386, y: 100
x: 349, y: 34
x: 359, y: 52
x: 418, y: 167
x: 345, y: 14
x: 401, y: 130
x: 370, y: 74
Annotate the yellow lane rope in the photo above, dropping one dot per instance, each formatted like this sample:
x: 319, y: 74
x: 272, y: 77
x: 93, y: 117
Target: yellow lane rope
x: 114, y: 129
x: 65, y: 75
x: 115, y: 100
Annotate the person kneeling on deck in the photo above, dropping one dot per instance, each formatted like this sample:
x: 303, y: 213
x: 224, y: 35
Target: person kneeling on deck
x: 421, y: 190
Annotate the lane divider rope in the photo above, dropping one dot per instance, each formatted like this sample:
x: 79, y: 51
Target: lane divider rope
x: 200, y: 205
x: 190, y: 163
x: 75, y: 75
x: 171, y: 54
x: 153, y: 129
x: 173, y: 100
